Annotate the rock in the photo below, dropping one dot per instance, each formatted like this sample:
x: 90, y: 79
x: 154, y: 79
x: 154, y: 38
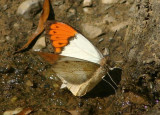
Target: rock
x: 87, y: 3
x: 109, y: 19
x: 88, y: 10
x: 2, y: 40
x: 29, y: 8
x: 58, y: 2
x: 8, y: 38
x: 16, y: 25
x: 100, y: 40
x: 91, y: 31
x: 5, y: 7
x: 109, y: 1
x: 29, y: 83
x: 14, y: 99
x: 13, y: 112
x: 40, y: 44
x: 71, y: 12
x: 106, y: 52
x: 134, y: 98
x: 123, y: 1
x: 119, y: 26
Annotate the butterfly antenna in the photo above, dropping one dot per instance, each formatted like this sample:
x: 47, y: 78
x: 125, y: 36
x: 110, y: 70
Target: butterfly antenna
x: 112, y: 79
x: 109, y: 83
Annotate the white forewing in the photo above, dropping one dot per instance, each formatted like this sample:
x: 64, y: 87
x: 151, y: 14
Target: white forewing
x: 81, y: 48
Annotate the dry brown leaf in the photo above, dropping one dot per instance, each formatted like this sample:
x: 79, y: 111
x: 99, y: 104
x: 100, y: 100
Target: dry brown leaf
x: 40, y: 28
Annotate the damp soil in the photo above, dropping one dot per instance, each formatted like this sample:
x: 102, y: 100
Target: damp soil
x: 26, y: 81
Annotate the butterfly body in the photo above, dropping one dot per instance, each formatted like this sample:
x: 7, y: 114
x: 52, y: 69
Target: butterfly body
x: 77, y: 62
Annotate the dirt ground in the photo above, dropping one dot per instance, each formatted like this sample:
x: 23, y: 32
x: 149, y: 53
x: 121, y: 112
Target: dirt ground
x: 131, y: 33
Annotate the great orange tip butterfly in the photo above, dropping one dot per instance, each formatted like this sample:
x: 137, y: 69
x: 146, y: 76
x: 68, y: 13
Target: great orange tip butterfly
x: 77, y: 62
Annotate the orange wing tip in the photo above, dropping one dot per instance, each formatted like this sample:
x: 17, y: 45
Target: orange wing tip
x: 61, y: 28
x: 60, y: 34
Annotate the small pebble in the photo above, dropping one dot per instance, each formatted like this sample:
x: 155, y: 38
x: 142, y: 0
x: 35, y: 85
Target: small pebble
x: 71, y: 12
x: 58, y: 2
x: 91, y: 31
x: 88, y: 10
x: 14, y: 99
x: 119, y: 26
x: 29, y: 8
x: 12, y: 112
x: 16, y: 25
x: 56, y: 86
x: 87, y: 3
x: 100, y: 40
x: 110, y: 39
x: 5, y: 7
x: 106, y: 52
x: 109, y: 1
x: 123, y: 1
x: 12, y: 81
x: 2, y: 40
x: 108, y: 19
x: 8, y: 38
x: 29, y: 83
x: 40, y: 44
x: 135, y: 98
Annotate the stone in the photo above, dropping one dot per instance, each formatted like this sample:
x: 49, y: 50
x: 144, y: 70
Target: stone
x: 131, y: 97
x: 58, y: 2
x: 108, y: 19
x: 87, y: 3
x: 29, y: 8
x: 109, y: 1
x: 13, y: 112
x: 71, y: 12
x: 123, y: 1
x: 8, y: 38
x: 29, y: 83
x: 40, y: 44
x: 119, y: 26
x: 5, y: 7
x: 88, y: 10
x: 14, y: 99
x: 91, y: 31
x: 106, y: 52
x: 100, y: 40
x: 2, y: 40
x: 16, y: 25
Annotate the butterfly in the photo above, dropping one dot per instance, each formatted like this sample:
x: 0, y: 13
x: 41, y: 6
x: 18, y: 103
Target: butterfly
x: 76, y: 61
